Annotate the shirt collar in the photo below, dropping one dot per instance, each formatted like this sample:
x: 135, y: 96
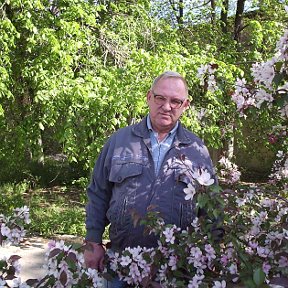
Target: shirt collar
x: 149, y: 126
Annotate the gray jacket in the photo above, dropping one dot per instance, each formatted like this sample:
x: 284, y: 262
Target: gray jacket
x: 124, y: 180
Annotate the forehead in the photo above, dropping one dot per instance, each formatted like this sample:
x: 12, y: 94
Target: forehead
x: 172, y: 86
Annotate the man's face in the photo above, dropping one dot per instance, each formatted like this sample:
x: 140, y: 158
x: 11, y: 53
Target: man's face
x: 169, y: 92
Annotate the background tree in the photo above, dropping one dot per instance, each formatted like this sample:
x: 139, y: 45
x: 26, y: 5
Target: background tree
x: 73, y: 72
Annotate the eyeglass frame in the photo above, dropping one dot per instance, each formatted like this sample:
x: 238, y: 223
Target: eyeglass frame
x: 181, y: 102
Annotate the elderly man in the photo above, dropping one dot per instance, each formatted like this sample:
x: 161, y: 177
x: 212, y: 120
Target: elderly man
x: 138, y: 167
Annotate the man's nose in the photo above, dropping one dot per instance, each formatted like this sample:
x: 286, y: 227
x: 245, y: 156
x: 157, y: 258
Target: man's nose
x: 167, y: 106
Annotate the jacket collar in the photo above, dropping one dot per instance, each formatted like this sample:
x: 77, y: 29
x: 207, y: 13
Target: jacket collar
x: 140, y: 129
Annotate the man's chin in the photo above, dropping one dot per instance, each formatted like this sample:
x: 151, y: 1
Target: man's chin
x: 167, y: 124
x: 166, y: 119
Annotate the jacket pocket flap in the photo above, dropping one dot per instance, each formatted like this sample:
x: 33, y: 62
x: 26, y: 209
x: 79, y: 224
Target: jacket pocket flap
x: 123, y: 170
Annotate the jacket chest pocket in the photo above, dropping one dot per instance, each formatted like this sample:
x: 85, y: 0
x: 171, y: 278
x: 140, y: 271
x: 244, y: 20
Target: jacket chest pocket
x: 124, y: 172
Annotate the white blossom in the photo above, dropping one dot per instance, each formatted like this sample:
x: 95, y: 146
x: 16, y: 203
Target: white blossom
x: 189, y: 191
x: 203, y: 177
x: 219, y: 284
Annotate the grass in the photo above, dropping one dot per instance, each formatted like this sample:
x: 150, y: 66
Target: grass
x: 57, y: 210
x: 54, y: 211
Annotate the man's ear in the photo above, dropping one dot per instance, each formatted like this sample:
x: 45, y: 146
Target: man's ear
x: 149, y: 95
x: 186, y: 104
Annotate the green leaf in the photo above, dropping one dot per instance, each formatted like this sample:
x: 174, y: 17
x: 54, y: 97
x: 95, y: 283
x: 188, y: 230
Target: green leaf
x: 202, y: 200
x: 249, y: 283
x: 278, y: 66
x: 216, y: 188
x: 278, y: 78
x: 259, y: 277
x: 282, y: 99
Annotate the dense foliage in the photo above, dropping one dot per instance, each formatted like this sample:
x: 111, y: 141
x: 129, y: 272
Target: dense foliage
x: 72, y: 72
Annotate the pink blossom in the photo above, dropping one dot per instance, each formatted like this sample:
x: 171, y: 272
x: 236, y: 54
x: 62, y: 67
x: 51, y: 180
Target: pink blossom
x: 51, y: 244
x: 125, y: 260
x: 253, y: 245
x: 233, y: 269
x: 264, y: 73
x: 169, y: 234
x: 263, y: 251
x: 172, y: 262
x: 196, y: 281
x: 224, y: 260
x: 266, y: 267
x: 283, y: 261
x: 210, y: 252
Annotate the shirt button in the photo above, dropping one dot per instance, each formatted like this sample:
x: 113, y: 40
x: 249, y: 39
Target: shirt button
x: 119, y: 178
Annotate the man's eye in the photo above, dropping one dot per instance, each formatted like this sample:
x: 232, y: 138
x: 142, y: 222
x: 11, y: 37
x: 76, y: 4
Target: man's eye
x: 176, y: 102
x: 161, y: 98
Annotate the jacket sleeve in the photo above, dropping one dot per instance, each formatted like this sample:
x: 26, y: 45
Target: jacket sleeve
x: 99, y: 193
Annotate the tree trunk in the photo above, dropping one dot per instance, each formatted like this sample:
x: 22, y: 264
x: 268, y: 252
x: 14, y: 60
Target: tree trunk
x: 224, y: 16
x: 178, y: 10
x: 213, y: 6
x: 180, y: 13
x: 238, y: 20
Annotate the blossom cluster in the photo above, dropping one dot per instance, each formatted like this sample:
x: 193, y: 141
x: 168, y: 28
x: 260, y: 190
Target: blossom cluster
x: 228, y: 171
x: 11, y: 227
x: 12, y: 232
x: 270, y: 84
x: 176, y: 262
x: 9, y: 270
x: 264, y: 237
x: 255, y: 231
x: 196, y: 175
x: 64, y: 269
x: 266, y: 88
x: 65, y: 266
x: 133, y: 265
x: 206, y: 75
x: 279, y: 174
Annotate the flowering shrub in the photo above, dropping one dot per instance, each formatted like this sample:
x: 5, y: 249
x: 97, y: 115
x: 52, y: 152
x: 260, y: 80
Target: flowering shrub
x: 257, y: 221
x: 258, y: 231
x: 252, y: 251
x: 270, y: 83
x: 9, y: 267
x: 134, y: 265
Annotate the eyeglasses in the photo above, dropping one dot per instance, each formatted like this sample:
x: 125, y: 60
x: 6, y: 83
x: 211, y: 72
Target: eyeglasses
x: 161, y: 100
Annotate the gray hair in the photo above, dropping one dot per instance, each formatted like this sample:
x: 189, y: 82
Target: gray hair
x: 170, y: 74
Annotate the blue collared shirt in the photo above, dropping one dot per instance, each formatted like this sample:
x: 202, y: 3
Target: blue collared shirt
x: 159, y: 149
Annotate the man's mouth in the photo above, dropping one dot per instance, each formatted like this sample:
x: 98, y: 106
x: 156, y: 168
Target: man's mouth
x: 166, y: 115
